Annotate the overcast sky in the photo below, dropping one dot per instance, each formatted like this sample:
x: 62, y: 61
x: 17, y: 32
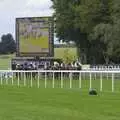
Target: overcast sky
x: 10, y: 9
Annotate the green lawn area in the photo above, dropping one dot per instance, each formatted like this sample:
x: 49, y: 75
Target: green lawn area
x: 60, y: 52
x: 5, y: 61
x: 25, y: 103
x: 32, y: 103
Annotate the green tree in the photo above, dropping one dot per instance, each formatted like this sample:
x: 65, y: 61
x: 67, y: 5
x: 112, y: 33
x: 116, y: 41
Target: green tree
x: 7, y: 44
x: 76, y: 21
x: 68, y: 57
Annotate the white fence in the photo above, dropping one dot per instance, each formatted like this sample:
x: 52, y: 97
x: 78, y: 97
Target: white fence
x: 105, y: 67
x: 72, y: 79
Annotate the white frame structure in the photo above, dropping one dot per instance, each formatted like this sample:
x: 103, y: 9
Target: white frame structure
x: 69, y: 72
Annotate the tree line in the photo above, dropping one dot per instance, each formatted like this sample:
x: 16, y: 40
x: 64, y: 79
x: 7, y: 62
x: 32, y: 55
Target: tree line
x: 94, y: 26
x: 7, y: 44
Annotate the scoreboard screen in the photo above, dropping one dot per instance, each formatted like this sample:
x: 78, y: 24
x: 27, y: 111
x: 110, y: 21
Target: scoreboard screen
x: 35, y: 36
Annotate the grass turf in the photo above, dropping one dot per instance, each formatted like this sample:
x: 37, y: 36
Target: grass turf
x: 5, y: 61
x: 57, y: 104
x: 32, y: 103
x: 60, y: 52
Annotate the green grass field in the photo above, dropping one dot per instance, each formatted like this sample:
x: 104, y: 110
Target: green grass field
x: 26, y: 103
x: 60, y: 52
x: 5, y: 61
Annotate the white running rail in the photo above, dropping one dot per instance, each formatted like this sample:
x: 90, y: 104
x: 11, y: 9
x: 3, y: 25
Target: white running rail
x: 15, y: 77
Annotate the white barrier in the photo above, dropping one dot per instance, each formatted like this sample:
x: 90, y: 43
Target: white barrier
x: 105, y: 67
x: 28, y: 76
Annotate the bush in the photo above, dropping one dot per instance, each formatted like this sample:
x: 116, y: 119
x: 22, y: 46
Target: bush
x: 68, y: 56
x: 92, y: 92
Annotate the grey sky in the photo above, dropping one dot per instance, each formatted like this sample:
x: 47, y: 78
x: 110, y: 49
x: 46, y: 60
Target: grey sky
x: 10, y: 9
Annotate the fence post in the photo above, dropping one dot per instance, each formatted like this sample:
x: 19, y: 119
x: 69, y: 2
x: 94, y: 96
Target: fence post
x: 80, y: 80
x: 45, y: 80
x: 31, y: 80
x: 53, y: 79
x: 25, y: 78
x: 38, y: 80
x: 90, y: 80
x: 12, y: 77
x: 18, y: 78
x: 61, y: 79
x: 6, y: 75
x: 101, y: 82
x: 112, y: 82
x: 70, y: 80
x: 1, y: 79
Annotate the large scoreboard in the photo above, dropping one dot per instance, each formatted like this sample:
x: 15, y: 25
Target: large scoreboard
x: 35, y: 36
